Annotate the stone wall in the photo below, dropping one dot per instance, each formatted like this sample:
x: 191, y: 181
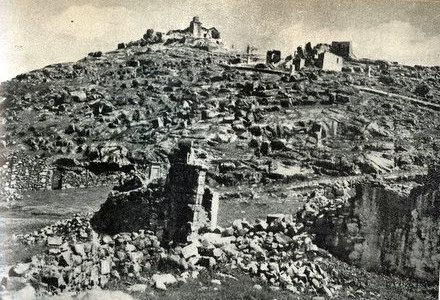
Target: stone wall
x: 385, y: 228
x: 173, y: 211
x: 83, y: 178
x: 22, y: 172
x: 132, y: 210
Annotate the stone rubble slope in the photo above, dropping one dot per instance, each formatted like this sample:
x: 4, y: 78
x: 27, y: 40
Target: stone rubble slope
x: 277, y: 251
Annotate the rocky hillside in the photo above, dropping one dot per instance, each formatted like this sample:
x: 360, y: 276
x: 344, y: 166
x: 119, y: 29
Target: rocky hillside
x: 263, y: 134
x: 129, y: 105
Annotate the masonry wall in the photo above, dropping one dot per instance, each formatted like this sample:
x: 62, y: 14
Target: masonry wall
x: 184, y: 197
x: 22, y: 172
x: 384, y: 229
x: 330, y: 62
x: 128, y: 211
x: 84, y: 178
x: 19, y: 171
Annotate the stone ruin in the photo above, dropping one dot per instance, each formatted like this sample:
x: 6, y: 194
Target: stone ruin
x: 194, y: 35
x: 392, y: 228
x: 273, y: 57
x: 323, y: 56
x: 175, y: 209
x: 196, y: 30
x: 189, y: 203
x: 344, y: 49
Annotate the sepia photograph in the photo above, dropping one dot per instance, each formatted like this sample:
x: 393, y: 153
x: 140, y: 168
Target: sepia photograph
x: 219, y: 149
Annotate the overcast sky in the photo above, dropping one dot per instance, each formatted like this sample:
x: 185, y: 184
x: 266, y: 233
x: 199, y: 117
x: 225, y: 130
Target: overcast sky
x: 35, y: 33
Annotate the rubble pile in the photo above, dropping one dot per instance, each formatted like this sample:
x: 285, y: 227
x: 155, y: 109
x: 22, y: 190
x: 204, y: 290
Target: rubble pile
x: 276, y: 251
x: 77, y: 258
x: 137, y: 237
x: 411, y: 81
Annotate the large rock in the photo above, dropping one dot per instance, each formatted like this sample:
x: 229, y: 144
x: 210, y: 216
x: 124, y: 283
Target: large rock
x: 105, y: 267
x: 78, y: 96
x: 54, y: 241
x: 161, y: 280
x: 377, y: 130
x: 378, y: 163
x: 102, y: 107
x: 189, y: 251
x: 138, y: 288
x: 19, y: 270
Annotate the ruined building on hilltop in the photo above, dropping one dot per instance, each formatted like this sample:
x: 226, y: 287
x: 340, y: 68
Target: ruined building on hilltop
x: 194, y: 35
x: 344, y: 49
x: 329, y: 62
x: 320, y: 56
x: 196, y: 30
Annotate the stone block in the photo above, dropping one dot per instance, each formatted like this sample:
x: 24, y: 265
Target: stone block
x: 54, y: 241
x: 79, y: 249
x: 189, y: 251
x: 105, y: 267
x: 161, y: 280
x: 274, y: 217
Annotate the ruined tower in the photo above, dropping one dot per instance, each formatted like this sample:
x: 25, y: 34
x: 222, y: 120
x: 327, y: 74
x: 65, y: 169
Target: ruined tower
x: 190, y: 204
x: 196, y: 27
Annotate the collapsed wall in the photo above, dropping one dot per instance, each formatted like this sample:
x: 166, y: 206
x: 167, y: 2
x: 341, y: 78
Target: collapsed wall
x: 386, y: 229
x: 174, y: 210
x: 132, y: 209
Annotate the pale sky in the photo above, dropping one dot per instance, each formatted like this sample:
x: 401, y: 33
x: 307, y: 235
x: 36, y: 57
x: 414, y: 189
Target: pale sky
x: 36, y: 33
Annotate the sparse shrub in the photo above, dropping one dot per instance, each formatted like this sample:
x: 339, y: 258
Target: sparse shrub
x: 387, y: 79
x: 422, y: 90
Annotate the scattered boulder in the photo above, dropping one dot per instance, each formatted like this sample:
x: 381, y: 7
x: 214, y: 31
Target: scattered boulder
x: 19, y: 270
x: 161, y: 280
x: 78, y: 96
